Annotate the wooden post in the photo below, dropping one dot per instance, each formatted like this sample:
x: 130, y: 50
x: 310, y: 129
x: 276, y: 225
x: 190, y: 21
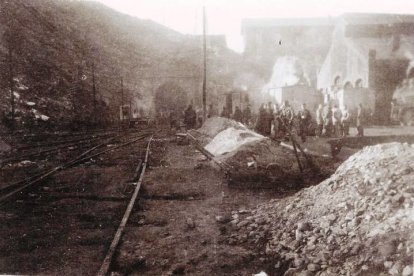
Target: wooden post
x: 11, y: 84
x: 205, y: 67
x: 94, y: 92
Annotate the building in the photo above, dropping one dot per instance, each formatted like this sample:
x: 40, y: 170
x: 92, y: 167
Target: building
x: 306, y: 39
x: 368, y: 58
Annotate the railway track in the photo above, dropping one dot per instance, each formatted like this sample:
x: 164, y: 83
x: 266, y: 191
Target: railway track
x: 83, y: 200
x: 41, y: 151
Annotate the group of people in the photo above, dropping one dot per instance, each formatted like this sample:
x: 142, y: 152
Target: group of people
x: 330, y: 121
x: 243, y: 116
x: 281, y: 120
x: 335, y: 121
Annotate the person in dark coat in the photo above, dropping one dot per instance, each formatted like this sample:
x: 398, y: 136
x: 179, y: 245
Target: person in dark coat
x: 304, y: 117
x: 286, y: 118
x: 190, y: 117
x: 225, y: 113
x: 247, y: 115
x: 238, y: 115
x: 261, y: 120
x: 327, y: 120
x: 319, y: 120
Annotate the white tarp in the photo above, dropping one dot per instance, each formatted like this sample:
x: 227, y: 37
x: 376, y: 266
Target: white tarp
x: 231, y: 139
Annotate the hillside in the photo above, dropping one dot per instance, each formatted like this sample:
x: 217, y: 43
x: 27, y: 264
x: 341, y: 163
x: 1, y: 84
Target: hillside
x: 56, y: 45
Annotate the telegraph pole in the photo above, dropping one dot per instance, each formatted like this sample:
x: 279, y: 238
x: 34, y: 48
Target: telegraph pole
x: 122, y: 91
x: 11, y: 82
x: 94, y: 91
x: 205, y: 67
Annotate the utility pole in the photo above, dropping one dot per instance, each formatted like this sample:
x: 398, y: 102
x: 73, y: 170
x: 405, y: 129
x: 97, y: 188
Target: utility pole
x: 94, y: 91
x: 11, y: 83
x: 205, y: 67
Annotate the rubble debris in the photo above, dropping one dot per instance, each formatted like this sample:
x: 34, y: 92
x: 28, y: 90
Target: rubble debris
x: 25, y: 163
x: 360, y: 221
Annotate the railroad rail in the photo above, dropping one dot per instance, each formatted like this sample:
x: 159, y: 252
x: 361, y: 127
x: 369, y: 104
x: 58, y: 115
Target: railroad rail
x: 104, y: 270
x: 39, y: 200
x: 13, y: 189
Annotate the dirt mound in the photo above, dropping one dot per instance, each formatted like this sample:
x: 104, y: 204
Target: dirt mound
x: 358, y: 222
x: 215, y: 125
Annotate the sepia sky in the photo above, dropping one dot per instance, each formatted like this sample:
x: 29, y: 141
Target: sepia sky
x: 224, y: 16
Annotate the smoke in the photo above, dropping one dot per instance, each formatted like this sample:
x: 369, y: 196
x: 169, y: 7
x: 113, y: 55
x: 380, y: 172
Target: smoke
x: 287, y: 71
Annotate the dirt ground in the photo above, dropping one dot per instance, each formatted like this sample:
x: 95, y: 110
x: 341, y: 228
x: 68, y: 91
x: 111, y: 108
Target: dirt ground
x: 180, y: 227
x: 65, y: 225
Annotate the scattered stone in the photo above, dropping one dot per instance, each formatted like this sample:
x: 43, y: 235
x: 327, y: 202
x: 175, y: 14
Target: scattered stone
x: 407, y: 271
x: 313, y: 267
x: 388, y: 264
x: 190, y: 223
x: 362, y: 230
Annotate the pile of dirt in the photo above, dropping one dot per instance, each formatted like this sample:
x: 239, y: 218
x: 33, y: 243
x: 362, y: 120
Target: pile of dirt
x: 357, y: 222
x: 215, y: 125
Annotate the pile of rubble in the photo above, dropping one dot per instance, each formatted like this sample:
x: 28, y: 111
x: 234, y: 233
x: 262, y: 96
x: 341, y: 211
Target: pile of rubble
x: 360, y: 221
x: 254, y: 159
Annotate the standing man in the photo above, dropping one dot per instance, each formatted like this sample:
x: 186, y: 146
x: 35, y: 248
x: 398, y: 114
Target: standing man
x: 190, y: 117
x: 346, y: 119
x: 304, y: 121
x: 238, y: 116
x: 225, y: 113
x: 319, y: 120
x: 360, y: 121
x: 261, y: 120
x: 286, y: 115
x: 336, y: 120
x: 247, y: 115
x: 327, y: 120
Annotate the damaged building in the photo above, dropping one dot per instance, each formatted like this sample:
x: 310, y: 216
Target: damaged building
x: 350, y: 59
x: 368, y: 58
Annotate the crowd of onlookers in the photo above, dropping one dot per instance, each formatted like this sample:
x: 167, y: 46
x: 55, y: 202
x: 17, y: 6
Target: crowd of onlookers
x: 281, y: 121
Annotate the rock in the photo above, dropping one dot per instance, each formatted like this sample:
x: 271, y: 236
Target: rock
x: 298, y: 235
x: 407, y: 271
x: 291, y: 272
x: 299, y: 262
x: 178, y: 270
x: 220, y: 219
x: 306, y: 273
x: 261, y: 273
x: 242, y: 223
x: 190, y: 223
x: 355, y: 249
x: 388, y: 264
x: 396, y: 269
x: 304, y: 226
x: 387, y: 249
x: 313, y: 267
x: 331, y: 218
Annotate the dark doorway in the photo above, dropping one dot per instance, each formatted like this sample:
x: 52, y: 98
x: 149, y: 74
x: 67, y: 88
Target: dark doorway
x: 386, y: 76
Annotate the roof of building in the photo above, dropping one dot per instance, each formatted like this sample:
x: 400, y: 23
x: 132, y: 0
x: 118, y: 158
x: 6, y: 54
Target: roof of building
x: 349, y: 18
x: 286, y: 22
x: 376, y: 18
